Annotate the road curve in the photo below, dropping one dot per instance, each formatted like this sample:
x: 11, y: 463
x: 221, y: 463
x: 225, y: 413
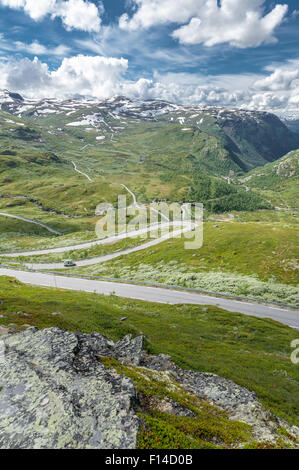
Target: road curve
x: 30, y: 221
x: 135, y: 203
x: 106, y: 241
x: 154, y: 294
x: 111, y: 256
x: 80, y: 172
x: 131, y: 193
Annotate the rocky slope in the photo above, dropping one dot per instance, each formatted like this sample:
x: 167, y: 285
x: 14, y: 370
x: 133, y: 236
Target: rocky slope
x: 69, y: 390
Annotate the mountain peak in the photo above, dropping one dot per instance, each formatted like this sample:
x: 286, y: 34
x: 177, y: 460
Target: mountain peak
x: 8, y: 95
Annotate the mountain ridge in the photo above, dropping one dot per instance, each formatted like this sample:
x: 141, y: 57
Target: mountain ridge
x: 249, y: 138
x: 9, y: 96
x: 162, y: 150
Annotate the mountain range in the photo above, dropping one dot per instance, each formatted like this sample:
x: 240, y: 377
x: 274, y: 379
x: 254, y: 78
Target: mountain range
x: 164, y: 150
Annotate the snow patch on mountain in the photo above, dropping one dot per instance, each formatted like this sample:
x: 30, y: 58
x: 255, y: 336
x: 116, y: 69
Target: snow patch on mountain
x: 91, y: 120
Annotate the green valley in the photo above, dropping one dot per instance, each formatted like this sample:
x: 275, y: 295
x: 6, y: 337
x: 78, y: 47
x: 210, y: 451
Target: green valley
x: 60, y: 160
x: 63, y: 163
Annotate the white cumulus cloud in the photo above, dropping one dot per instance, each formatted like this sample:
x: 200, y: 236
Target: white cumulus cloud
x: 239, y: 23
x: 80, y: 75
x: 13, y: 3
x: 278, y: 80
x: 153, y: 12
x: 37, y: 9
x: 79, y: 14
x: 75, y: 14
x: 278, y: 90
x: 104, y: 77
x: 267, y: 101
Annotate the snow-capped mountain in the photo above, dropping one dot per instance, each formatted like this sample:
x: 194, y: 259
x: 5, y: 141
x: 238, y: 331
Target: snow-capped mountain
x: 123, y: 107
x: 249, y: 138
x: 291, y: 119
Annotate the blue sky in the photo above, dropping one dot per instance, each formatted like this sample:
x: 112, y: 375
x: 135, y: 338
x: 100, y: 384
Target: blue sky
x: 230, y: 52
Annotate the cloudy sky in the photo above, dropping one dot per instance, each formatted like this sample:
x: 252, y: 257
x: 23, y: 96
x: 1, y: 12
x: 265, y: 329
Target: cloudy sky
x: 240, y: 53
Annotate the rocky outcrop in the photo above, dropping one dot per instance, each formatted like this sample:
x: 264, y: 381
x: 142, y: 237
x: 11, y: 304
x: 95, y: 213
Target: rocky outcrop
x: 240, y: 403
x: 55, y: 392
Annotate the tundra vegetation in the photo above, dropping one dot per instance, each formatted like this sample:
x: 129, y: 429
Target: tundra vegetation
x: 243, y: 166
x: 254, y: 353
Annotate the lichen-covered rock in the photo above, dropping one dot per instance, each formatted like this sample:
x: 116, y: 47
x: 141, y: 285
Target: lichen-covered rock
x: 240, y: 403
x: 163, y: 405
x: 128, y: 350
x: 56, y: 394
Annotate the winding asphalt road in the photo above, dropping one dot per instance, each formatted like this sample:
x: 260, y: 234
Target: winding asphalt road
x: 131, y: 193
x: 154, y: 294
x: 184, y: 227
x: 23, y: 219
x: 117, y: 254
x: 286, y: 316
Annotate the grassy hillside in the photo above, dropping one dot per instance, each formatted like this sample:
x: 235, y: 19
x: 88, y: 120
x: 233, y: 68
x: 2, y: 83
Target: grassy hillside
x: 255, y: 353
x: 177, y: 154
x: 247, y: 259
x: 279, y: 180
x: 161, y: 152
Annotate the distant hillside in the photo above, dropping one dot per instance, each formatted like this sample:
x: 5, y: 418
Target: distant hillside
x: 221, y: 139
x: 291, y: 120
x: 280, y: 177
x: 161, y: 150
x: 293, y: 125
